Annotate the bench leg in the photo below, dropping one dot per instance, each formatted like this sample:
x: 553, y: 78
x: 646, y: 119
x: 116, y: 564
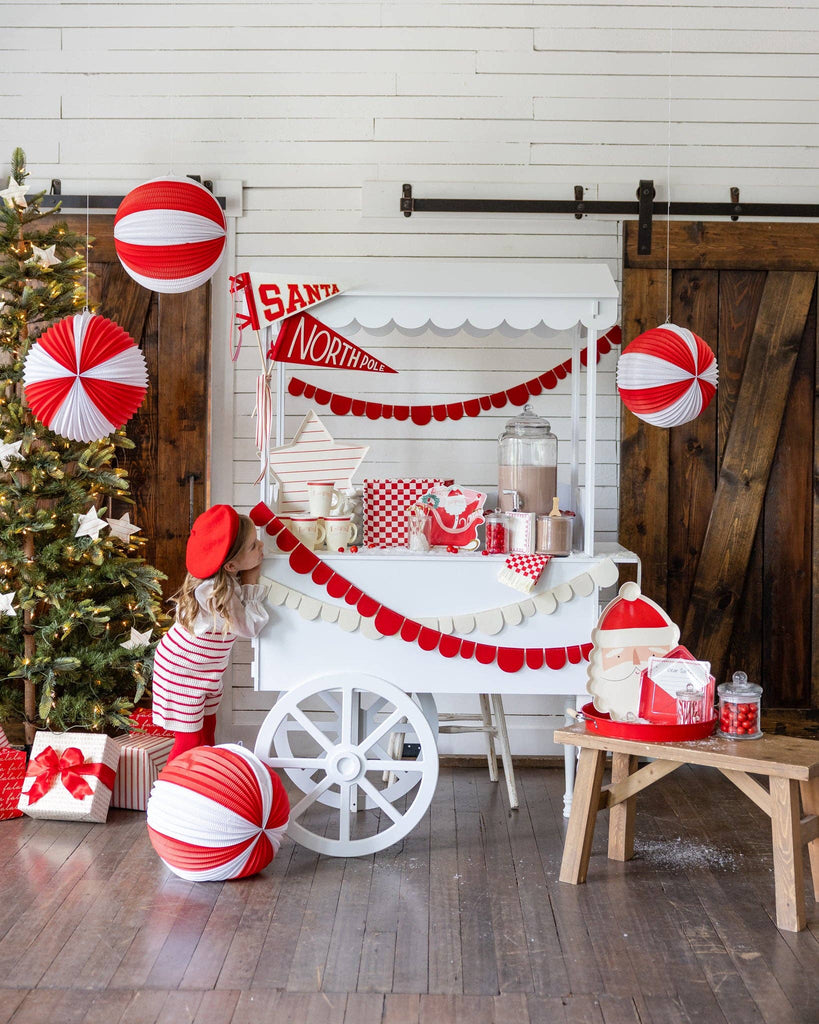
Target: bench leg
x: 580, y: 833
x: 621, y: 816
x: 810, y: 805
x: 491, y: 756
x: 787, y: 854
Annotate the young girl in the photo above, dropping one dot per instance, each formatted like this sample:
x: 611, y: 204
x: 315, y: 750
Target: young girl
x: 220, y: 600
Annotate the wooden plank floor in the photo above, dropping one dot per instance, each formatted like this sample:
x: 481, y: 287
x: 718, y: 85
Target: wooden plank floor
x: 463, y: 921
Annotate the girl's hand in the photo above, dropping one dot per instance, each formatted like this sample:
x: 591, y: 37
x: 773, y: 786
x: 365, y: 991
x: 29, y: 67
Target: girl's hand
x: 248, y: 577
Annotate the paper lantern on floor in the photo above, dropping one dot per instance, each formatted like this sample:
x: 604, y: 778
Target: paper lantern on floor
x: 84, y: 377
x: 217, y: 813
x: 667, y: 376
x: 170, y: 234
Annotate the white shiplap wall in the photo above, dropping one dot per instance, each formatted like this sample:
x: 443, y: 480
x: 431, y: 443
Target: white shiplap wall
x: 324, y: 109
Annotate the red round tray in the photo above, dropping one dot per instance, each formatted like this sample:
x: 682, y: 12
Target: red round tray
x: 651, y: 733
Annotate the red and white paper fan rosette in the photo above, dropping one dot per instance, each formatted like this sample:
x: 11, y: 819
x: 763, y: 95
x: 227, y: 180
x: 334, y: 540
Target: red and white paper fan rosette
x: 85, y: 377
x: 170, y: 234
x: 667, y: 376
x: 217, y: 813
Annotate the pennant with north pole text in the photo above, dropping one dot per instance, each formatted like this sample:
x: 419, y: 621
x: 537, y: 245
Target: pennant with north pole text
x: 307, y: 341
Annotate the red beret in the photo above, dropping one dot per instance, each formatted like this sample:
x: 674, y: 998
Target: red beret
x: 213, y: 535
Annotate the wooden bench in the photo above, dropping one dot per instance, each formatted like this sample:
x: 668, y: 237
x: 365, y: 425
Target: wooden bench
x: 791, y: 765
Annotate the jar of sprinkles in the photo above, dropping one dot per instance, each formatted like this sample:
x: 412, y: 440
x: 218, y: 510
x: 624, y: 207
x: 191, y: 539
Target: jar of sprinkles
x: 739, y: 708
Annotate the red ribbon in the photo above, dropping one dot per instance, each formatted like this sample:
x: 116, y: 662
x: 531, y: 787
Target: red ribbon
x: 69, y: 767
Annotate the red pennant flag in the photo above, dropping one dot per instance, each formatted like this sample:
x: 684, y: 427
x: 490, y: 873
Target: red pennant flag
x: 307, y: 341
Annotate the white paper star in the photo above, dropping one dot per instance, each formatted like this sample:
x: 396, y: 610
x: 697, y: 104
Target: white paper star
x: 122, y: 528
x: 44, y: 258
x: 5, y: 604
x: 9, y: 452
x: 137, y: 639
x: 312, y: 455
x: 14, y: 195
x: 90, y: 524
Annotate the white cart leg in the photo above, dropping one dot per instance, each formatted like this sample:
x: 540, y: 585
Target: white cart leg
x: 506, y: 753
x: 491, y: 756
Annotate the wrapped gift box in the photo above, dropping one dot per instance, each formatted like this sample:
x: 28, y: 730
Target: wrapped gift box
x: 3, y: 739
x: 141, y: 758
x: 70, y: 776
x: 12, y: 773
x: 385, y: 509
x: 143, y: 722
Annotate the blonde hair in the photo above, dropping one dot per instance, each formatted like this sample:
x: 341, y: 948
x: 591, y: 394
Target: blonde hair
x: 187, y: 606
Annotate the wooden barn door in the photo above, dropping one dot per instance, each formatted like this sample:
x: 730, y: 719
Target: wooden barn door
x: 168, y: 468
x: 724, y: 511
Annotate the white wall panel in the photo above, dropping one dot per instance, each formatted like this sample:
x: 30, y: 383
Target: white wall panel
x: 325, y: 108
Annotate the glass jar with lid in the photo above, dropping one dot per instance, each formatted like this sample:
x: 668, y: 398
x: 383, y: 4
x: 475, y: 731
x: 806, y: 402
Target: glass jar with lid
x: 739, y: 707
x: 527, y: 464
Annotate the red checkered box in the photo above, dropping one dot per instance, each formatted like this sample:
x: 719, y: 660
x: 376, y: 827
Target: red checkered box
x: 385, y: 509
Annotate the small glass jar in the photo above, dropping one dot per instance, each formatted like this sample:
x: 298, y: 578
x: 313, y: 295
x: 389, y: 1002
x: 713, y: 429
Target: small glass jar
x: 418, y: 528
x: 554, y: 534
x: 739, y: 708
x: 690, y: 703
x: 497, y: 533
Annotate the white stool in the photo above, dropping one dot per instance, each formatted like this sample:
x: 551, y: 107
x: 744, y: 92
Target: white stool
x: 493, y: 725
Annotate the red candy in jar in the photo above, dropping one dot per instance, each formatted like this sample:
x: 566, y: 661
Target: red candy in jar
x: 739, y: 708
x: 497, y: 533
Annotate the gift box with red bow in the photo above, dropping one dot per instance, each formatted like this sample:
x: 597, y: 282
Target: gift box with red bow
x: 142, y: 757
x: 70, y: 776
x: 12, y: 773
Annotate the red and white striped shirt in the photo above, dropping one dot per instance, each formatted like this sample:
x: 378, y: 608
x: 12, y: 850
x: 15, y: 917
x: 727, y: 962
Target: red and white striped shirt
x: 188, y: 667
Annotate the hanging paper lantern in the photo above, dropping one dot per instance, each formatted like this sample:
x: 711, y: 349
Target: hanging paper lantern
x: 170, y: 234
x: 217, y: 813
x: 667, y: 376
x: 84, y: 377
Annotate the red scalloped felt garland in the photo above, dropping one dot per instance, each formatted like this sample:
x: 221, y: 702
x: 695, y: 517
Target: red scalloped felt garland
x: 420, y: 415
x: 392, y: 623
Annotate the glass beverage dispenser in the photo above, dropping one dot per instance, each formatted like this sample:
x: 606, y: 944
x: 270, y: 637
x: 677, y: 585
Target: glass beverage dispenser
x: 527, y: 464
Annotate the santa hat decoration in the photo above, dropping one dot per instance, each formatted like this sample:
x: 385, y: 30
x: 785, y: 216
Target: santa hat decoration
x: 667, y: 376
x: 523, y: 571
x: 213, y: 535
x: 632, y: 620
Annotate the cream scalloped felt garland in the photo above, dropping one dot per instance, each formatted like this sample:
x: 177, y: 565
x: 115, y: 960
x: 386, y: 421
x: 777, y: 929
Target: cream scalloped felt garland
x: 490, y: 621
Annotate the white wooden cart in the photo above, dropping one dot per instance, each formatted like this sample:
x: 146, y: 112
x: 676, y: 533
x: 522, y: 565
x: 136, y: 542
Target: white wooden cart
x: 347, y: 694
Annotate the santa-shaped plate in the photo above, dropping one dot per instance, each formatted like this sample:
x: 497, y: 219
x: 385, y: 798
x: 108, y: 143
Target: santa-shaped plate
x: 648, y: 731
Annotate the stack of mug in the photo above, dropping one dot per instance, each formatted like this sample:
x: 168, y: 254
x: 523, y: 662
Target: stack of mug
x: 329, y: 523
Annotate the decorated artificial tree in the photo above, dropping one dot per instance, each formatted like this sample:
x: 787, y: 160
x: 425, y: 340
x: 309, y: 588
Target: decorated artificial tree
x: 79, y: 607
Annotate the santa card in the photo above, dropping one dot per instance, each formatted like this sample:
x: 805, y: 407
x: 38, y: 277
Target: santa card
x: 664, y: 677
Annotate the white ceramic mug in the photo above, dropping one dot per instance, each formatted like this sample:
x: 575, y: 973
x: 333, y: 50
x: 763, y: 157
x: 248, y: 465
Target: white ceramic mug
x: 308, y: 528
x: 340, y: 531
x: 323, y: 498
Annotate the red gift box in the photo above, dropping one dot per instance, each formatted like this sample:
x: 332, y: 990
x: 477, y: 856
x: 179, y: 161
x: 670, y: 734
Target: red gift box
x: 143, y: 722
x: 658, y: 704
x: 385, y: 509
x: 12, y: 773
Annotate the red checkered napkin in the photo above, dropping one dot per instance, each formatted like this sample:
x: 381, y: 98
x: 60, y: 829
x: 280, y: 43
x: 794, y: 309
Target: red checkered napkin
x: 523, y: 571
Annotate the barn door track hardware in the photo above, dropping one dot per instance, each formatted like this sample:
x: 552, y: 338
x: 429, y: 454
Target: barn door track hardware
x: 643, y: 207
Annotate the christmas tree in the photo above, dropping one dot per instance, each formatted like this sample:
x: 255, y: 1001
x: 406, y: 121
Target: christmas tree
x: 79, y: 607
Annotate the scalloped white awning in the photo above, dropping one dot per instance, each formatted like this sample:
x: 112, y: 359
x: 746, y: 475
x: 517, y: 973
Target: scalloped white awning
x: 449, y: 295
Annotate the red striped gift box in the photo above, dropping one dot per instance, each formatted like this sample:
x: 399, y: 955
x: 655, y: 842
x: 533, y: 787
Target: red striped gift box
x: 142, y: 758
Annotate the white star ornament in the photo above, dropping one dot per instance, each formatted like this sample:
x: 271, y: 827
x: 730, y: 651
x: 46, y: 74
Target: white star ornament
x: 122, y: 528
x: 90, y: 524
x: 6, y: 604
x: 44, y: 258
x: 137, y: 639
x: 9, y: 452
x: 14, y: 195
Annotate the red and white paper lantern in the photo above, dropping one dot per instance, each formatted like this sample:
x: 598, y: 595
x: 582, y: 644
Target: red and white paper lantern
x: 667, y: 376
x: 170, y: 234
x: 217, y: 813
x: 85, y: 377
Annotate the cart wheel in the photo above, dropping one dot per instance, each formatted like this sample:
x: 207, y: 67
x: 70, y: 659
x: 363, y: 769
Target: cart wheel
x: 346, y: 759
x: 325, y: 715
